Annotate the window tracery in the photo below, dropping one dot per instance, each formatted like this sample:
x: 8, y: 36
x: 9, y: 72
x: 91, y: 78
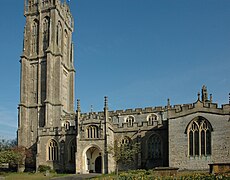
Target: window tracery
x: 72, y: 150
x: 199, y: 137
x: 53, y: 151
x: 154, y: 147
x: 67, y: 125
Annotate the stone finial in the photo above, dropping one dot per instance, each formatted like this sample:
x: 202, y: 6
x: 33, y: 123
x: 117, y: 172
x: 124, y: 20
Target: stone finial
x: 91, y: 108
x: 106, y: 102
x: 204, y: 95
x: 78, y: 105
x: 210, y: 98
x: 198, y: 94
x: 168, y: 102
x: 229, y: 98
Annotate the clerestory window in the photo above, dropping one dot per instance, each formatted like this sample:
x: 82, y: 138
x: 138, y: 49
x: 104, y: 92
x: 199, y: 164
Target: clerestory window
x: 199, y: 137
x: 130, y: 120
x: 152, y: 120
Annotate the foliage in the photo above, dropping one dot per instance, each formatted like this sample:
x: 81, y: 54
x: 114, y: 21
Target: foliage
x: 12, y: 154
x: 43, y: 168
x: 124, y: 153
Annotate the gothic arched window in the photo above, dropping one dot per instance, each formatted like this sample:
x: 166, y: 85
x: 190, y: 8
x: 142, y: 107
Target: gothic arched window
x: 65, y: 48
x: 67, y: 125
x: 72, y: 150
x: 45, y: 33
x: 59, y: 35
x: 92, y: 132
x: 34, y: 41
x: 154, y: 147
x: 130, y: 120
x: 152, y: 119
x: 53, y: 151
x: 199, y: 137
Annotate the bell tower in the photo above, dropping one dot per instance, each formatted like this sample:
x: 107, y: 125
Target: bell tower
x: 47, y: 68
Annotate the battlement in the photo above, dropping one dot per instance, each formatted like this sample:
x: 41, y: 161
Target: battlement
x: 198, y: 106
x: 137, y: 111
x: 56, y: 131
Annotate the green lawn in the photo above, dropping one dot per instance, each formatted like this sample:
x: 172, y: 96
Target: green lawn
x: 30, y: 176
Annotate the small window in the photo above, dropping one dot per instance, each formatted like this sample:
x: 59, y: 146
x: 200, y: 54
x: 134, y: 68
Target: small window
x: 67, y: 125
x: 130, y: 120
x: 152, y: 120
x: 92, y: 132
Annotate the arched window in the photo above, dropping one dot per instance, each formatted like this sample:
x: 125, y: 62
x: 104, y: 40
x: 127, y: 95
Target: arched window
x: 67, y: 125
x: 72, y: 150
x: 34, y: 41
x: 154, y: 147
x: 152, y: 120
x: 53, y: 151
x: 45, y: 33
x: 130, y: 120
x: 125, y: 141
x: 92, y: 132
x: 65, y: 48
x: 59, y: 35
x: 199, y: 137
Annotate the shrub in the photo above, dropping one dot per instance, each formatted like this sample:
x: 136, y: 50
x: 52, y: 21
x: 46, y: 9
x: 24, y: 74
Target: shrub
x: 44, y: 168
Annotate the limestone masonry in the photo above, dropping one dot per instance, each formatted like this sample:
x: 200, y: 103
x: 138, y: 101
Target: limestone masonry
x: 188, y: 136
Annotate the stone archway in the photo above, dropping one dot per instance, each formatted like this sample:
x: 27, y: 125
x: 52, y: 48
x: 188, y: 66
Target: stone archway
x: 93, y: 160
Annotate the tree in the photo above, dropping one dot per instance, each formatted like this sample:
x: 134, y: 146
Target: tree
x: 12, y: 154
x: 124, y: 153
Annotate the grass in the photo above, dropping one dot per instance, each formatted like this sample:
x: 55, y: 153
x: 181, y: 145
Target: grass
x: 29, y: 176
x: 151, y: 175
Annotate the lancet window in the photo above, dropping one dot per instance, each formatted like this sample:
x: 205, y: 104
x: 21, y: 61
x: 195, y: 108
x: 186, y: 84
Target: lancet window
x: 59, y: 35
x: 34, y: 41
x: 45, y: 33
x: 53, y: 151
x: 92, y: 132
x: 199, y: 137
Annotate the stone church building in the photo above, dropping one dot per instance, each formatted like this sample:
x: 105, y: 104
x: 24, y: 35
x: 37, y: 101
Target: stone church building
x: 187, y: 136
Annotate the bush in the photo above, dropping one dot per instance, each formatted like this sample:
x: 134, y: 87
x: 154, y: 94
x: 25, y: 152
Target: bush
x: 44, y: 168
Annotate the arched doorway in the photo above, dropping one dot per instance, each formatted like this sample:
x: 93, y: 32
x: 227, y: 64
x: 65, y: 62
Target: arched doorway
x: 98, y: 164
x: 93, y: 160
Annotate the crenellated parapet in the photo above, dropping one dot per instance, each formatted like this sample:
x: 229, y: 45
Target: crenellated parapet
x: 138, y: 111
x: 198, y: 106
x: 92, y: 116
x: 34, y: 7
x: 56, y: 131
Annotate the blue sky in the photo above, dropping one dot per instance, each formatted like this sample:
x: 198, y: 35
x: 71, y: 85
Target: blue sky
x: 136, y: 52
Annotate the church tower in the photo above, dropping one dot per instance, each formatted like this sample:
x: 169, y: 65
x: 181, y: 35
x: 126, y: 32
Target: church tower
x: 47, y: 69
